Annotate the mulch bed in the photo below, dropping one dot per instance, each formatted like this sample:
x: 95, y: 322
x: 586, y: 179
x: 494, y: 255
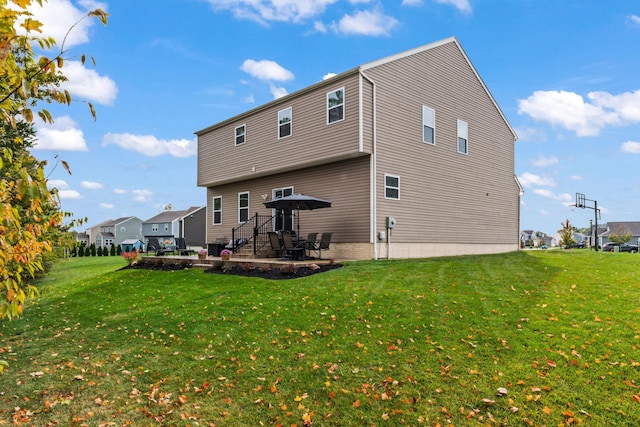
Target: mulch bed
x: 276, y: 273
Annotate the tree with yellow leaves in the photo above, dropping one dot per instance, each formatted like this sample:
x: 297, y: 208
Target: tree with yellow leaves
x: 30, y: 216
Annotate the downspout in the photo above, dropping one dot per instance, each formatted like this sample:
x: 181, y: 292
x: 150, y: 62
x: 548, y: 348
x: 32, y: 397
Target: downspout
x: 373, y: 191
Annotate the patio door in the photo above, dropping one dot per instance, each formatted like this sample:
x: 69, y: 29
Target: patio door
x: 283, y: 220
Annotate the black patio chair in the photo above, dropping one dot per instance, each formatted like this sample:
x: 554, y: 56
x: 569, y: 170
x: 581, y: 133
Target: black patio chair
x: 293, y: 250
x: 153, y: 245
x: 181, y: 247
x: 276, y: 243
x: 324, y: 243
x: 310, y: 243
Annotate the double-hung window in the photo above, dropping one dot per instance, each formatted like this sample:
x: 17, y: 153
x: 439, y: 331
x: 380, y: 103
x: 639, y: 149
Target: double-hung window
x: 154, y: 227
x: 217, y: 210
x: 241, y: 133
x: 335, y: 105
x: 428, y: 125
x: 391, y: 187
x: 284, y: 123
x: 463, y: 137
x: 243, y: 207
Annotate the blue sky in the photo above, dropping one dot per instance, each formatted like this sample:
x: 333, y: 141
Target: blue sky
x: 564, y: 72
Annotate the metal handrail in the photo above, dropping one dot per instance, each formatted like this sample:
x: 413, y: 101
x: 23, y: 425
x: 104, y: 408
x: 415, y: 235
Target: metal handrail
x: 251, y: 229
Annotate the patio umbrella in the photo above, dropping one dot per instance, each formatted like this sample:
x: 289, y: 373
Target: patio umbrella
x: 299, y: 202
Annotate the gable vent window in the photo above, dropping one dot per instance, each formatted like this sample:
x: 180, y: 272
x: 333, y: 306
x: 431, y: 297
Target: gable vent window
x: 391, y: 187
x: 241, y: 132
x: 335, y: 106
x: 463, y: 137
x: 428, y: 125
x: 284, y: 123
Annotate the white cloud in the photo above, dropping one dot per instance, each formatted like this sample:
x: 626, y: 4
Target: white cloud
x: 91, y: 185
x: 88, y: 84
x: 263, y: 11
x: 142, y: 196
x: 632, y: 147
x: 529, y: 134
x: 529, y: 180
x: 635, y: 19
x: 584, y: 117
x: 69, y: 194
x: 277, y: 91
x: 151, y: 146
x: 565, y: 198
x: 411, y: 2
x: 60, y: 184
x: 58, y: 16
x: 545, y: 161
x: 106, y: 205
x: 120, y: 191
x: 266, y: 70
x: 62, y: 135
x: 367, y: 23
x: 462, y: 5
x: 319, y: 27
x: 328, y: 76
x: 249, y: 99
x: 576, y: 178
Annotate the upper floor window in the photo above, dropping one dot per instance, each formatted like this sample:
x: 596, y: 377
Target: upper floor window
x: 463, y: 137
x: 154, y: 227
x: 335, y: 105
x: 217, y: 210
x: 391, y: 187
x: 166, y: 227
x: 428, y: 125
x: 241, y: 132
x: 284, y: 123
x: 243, y: 207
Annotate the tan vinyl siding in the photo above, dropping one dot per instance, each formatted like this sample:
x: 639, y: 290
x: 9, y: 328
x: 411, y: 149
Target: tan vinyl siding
x: 445, y: 196
x: 312, y: 141
x: 344, y: 183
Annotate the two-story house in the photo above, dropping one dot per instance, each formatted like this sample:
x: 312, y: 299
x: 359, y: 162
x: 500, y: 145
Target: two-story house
x: 414, y: 141
x: 114, y: 232
x: 167, y: 225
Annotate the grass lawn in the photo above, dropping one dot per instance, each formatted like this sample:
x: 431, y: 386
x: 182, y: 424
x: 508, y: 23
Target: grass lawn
x: 533, y: 338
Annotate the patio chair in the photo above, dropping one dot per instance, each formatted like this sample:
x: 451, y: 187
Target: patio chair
x: 153, y: 245
x: 276, y: 244
x: 181, y: 247
x: 293, y: 250
x: 310, y: 243
x: 325, y: 241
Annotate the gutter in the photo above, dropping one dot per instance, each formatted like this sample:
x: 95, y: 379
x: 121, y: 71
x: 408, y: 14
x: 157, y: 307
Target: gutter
x: 373, y: 189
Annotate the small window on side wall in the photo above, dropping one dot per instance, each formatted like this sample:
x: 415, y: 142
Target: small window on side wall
x: 243, y: 207
x: 391, y: 187
x: 217, y: 210
x: 241, y: 132
x: 463, y: 137
x: 335, y: 106
x: 428, y: 125
x: 284, y: 123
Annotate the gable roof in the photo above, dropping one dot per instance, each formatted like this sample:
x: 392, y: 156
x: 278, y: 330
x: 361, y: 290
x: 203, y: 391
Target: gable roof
x: 115, y: 222
x: 166, y: 216
x: 361, y: 69
x: 632, y: 227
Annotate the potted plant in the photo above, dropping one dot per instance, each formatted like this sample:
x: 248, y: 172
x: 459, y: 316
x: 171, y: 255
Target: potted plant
x: 225, y: 254
x: 202, y: 254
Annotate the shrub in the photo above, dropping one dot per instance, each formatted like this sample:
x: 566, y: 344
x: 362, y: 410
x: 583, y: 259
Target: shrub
x: 131, y: 257
x: 99, y: 251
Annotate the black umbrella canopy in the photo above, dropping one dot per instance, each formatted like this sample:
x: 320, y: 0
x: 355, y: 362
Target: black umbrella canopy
x: 297, y: 201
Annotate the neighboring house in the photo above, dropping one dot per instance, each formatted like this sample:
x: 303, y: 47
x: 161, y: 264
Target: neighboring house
x: 632, y: 228
x: 83, y: 239
x: 530, y: 238
x: 116, y: 231
x: 414, y: 141
x: 193, y: 226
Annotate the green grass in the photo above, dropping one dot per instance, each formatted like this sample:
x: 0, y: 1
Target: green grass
x: 420, y: 342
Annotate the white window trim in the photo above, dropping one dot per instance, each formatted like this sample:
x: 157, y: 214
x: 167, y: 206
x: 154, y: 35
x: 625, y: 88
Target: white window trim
x: 240, y: 208
x: 344, y: 100
x: 235, y: 135
x: 463, y: 132
x: 386, y: 186
x: 213, y: 210
x: 154, y: 227
x: 290, y: 122
x: 431, y: 123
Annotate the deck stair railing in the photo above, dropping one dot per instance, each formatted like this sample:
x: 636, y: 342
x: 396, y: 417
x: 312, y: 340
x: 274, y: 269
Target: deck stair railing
x: 254, y: 232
